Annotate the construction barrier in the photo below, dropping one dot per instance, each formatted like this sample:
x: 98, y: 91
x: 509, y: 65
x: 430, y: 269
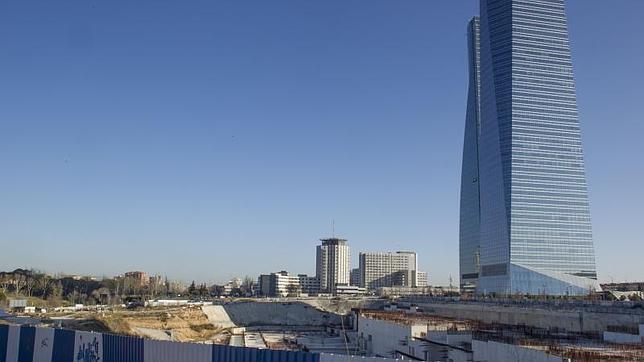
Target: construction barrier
x: 33, y: 344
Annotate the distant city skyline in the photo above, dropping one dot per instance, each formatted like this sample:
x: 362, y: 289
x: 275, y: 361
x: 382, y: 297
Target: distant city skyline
x: 209, y: 141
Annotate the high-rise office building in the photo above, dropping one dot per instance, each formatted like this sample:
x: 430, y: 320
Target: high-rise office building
x: 388, y: 269
x: 470, y: 220
x: 535, y: 233
x: 332, y: 264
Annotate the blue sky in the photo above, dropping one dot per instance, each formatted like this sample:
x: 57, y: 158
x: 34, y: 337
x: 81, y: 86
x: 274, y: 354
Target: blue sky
x: 211, y: 139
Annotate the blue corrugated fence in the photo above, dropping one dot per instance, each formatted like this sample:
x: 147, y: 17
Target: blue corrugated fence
x: 30, y: 344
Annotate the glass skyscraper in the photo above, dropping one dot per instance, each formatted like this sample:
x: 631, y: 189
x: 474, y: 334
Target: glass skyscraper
x: 470, y: 221
x: 534, y: 233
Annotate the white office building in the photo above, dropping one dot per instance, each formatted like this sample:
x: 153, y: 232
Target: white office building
x: 388, y: 269
x: 332, y: 264
x: 421, y: 279
x: 280, y: 284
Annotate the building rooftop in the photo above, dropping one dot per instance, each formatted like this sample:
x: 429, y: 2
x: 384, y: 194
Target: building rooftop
x: 333, y: 241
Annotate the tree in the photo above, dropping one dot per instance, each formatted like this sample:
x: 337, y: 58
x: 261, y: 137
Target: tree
x: 18, y: 281
x: 166, y: 286
x: 5, y: 283
x: 43, y: 285
x: 57, y: 289
x: 203, y: 290
x: 247, y: 286
x: 216, y: 290
x: 192, y: 288
x: 293, y: 290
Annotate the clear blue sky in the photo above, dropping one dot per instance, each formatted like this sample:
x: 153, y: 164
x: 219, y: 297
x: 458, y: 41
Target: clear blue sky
x: 209, y: 139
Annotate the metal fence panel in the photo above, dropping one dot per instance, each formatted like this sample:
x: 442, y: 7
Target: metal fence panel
x: 26, y: 347
x: 13, y: 343
x: 217, y: 353
x: 329, y: 357
x: 163, y: 351
x: 88, y: 347
x: 63, y: 346
x: 122, y: 348
x: 29, y: 344
x: 43, y: 345
x: 4, y: 334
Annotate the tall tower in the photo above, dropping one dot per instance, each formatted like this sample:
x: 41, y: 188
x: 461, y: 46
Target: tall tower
x: 332, y: 264
x: 470, y: 209
x: 535, y: 231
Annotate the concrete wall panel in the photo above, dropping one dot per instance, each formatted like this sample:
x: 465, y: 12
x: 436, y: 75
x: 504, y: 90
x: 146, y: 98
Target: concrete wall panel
x: 622, y: 338
x: 495, y: 351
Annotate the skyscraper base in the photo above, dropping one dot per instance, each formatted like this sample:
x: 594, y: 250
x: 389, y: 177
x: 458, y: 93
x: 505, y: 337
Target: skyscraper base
x: 526, y: 280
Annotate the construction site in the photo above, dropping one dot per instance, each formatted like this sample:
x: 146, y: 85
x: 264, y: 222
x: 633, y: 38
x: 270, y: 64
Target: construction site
x: 427, y: 331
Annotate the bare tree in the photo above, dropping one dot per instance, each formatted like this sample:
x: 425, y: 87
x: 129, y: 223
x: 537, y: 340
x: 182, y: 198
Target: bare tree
x: 43, y: 285
x: 293, y: 290
x: 5, y: 283
x: 30, y: 283
x: 18, y: 282
x: 247, y: 286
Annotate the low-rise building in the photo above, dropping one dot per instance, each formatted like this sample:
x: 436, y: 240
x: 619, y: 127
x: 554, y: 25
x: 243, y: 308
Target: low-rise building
x: 17, y: 305
x: 421, y: 279
x: 231, y: 286
x: 136, y: 279
x: 402, y: 291
x: 346, y: 289
x: 309, y: 284
x: 280, y: 284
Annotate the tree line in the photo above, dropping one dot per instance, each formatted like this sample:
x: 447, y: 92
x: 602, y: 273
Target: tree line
x: 56, y: 290
x: 60, y: 290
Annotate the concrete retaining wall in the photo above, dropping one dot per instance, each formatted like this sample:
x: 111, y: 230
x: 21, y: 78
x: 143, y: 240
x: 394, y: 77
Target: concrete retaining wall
x: 278, y: 313
x: 586, y: 322
x: 494, y: 351
x: 623, y: 338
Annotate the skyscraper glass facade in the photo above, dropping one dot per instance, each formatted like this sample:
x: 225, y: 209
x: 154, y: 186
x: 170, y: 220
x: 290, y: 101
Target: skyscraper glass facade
x: 535, y: 232
x: 469, y: 228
